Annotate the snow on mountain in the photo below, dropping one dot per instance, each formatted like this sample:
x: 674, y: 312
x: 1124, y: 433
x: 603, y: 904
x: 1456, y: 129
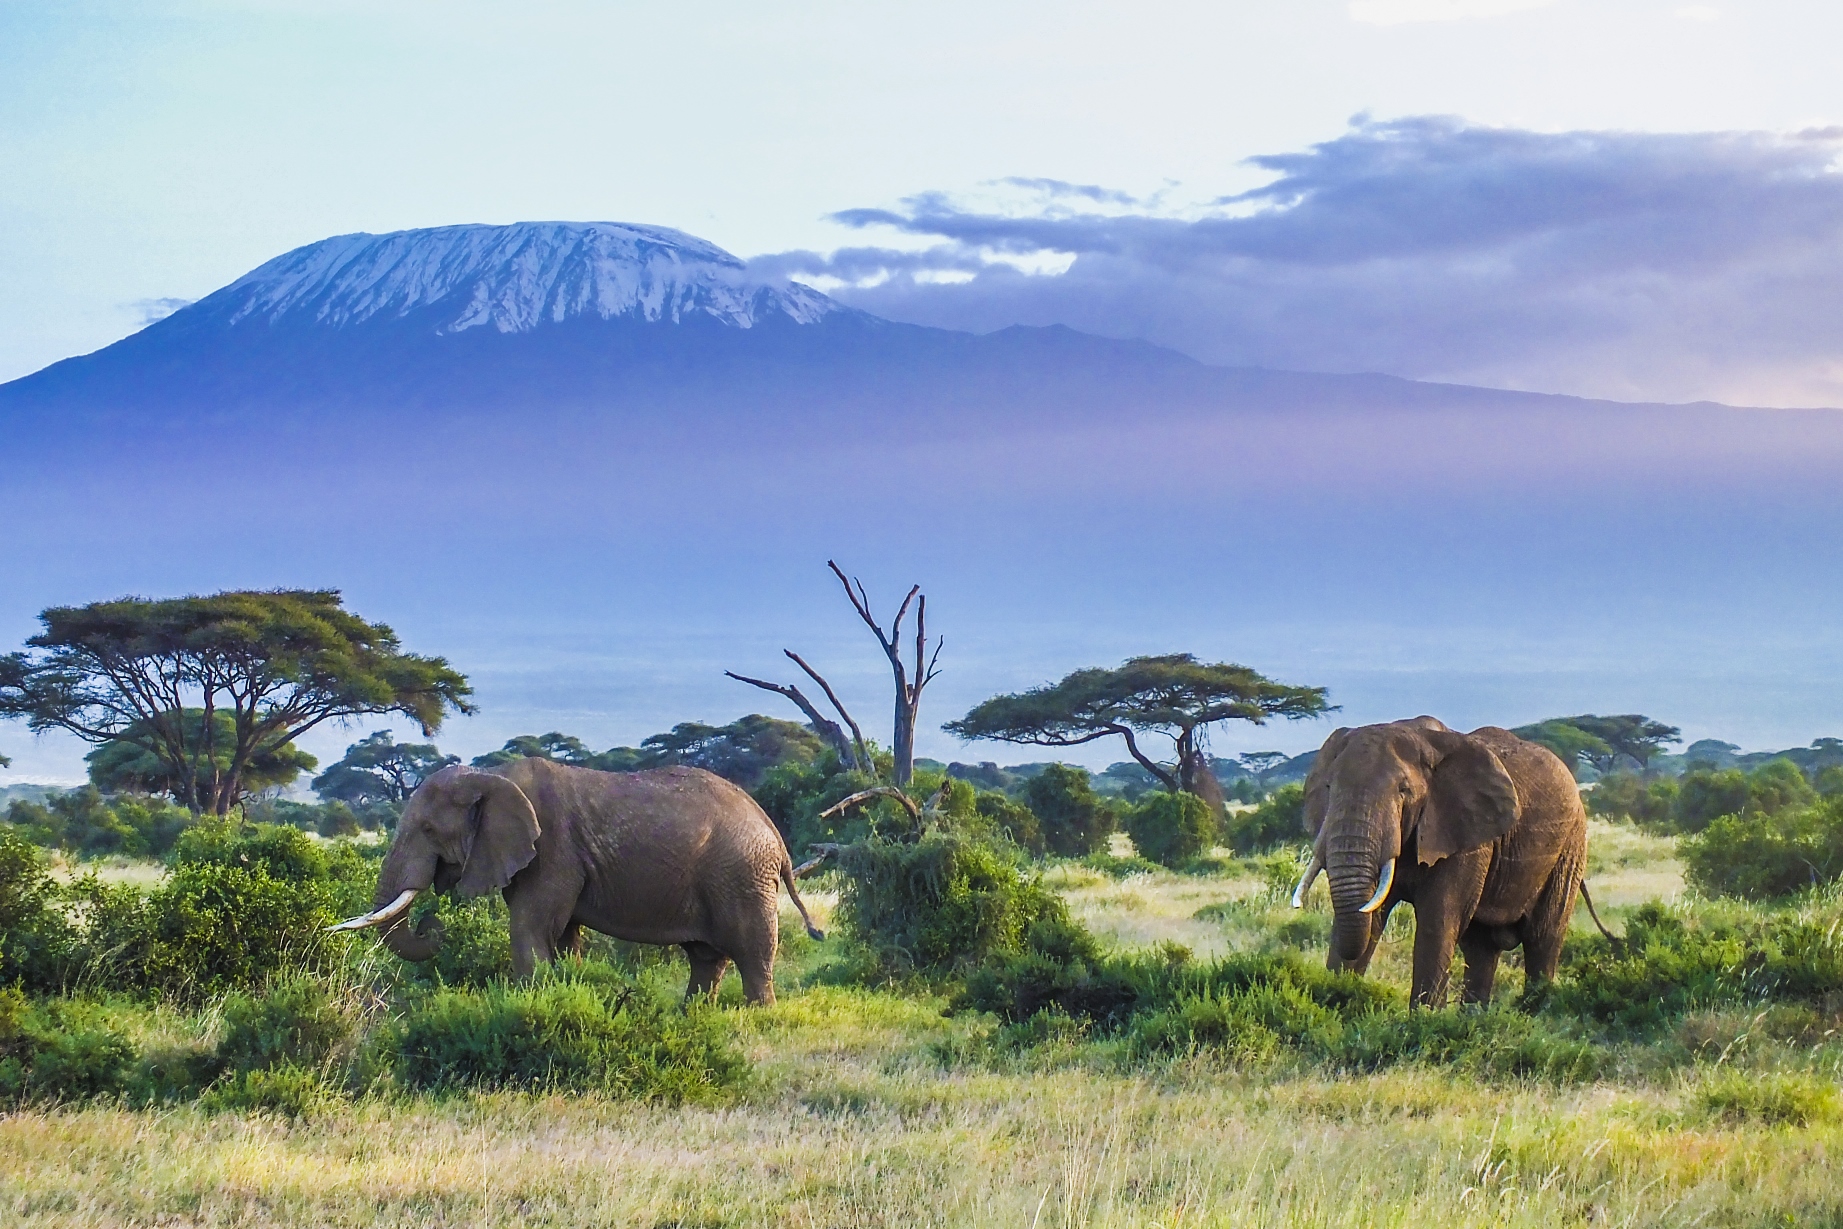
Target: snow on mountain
x: 513, y: 279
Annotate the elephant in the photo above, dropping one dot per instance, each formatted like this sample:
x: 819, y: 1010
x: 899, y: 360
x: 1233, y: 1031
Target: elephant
x: 667, y: 856
x: 1483, y: 833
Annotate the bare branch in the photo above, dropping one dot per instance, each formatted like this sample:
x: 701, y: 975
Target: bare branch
x: 856, y: 734
x: 820, y: 853
x: 828, y: 729
x: 875, y: 791
x: 1169, y: 781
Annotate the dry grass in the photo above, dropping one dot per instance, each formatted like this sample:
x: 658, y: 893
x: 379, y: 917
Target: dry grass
x: 856, y: 1120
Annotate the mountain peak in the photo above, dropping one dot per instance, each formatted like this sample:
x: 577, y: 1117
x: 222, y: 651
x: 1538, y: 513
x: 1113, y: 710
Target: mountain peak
x: 512, y: 279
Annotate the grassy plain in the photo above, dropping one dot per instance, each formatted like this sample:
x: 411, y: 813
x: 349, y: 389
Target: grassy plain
x: 871, y: 1107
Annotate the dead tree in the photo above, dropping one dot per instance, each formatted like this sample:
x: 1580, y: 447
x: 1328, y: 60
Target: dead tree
x: 853, y: 753
x: 908, y: 691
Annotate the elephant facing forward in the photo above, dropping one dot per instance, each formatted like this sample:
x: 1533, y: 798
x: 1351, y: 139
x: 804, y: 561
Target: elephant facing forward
x: 671, y: 856
x: 1483, y: 833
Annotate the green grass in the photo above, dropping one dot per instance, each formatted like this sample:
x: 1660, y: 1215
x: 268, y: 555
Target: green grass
x: 869, y: 1106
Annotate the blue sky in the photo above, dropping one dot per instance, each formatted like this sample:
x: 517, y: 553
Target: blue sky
x: 154, y: 151
x: 1625, y: 199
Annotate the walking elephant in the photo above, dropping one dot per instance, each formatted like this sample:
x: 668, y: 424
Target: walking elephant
x: 1483, y: 833
x: 674, y: 855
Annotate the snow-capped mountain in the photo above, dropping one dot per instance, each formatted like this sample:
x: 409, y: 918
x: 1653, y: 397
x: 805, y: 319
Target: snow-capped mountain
x: 511, y: 279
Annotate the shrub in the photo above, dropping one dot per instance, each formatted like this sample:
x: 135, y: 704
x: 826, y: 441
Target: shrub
x: 1671, y: 962
x: 1075, y: 820
x: 84, y: 822
x: 476, y: 946
x: 1790, y: 1099
x: 1760, y: 856
x: 1778, y: 786
x: 287, y: 1090
x: 36, y: 939
x: 1278, y: 820
x: 59, y: 1050
x: 1171, y: 829
x: 1012, y: 820
x: 569, y: 1033
x: 944, y: 902
x: 1705, y: 795
x: 296, y: 1020
x: 1627, y: 795
x: 212, y: 927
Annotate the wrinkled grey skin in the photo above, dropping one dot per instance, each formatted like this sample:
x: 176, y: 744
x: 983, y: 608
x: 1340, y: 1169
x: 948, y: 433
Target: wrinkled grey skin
x: 671, y: 856
x: 1490, y: 839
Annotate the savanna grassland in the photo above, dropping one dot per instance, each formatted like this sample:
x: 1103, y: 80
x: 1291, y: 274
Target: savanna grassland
x: 878, y: 1105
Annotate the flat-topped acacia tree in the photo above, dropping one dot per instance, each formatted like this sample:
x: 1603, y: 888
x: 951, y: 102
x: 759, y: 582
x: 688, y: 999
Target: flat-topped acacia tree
x: 159, y: 672
x: 1174, y: 694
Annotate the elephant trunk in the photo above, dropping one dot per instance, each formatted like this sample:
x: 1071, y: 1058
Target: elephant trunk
x: 407, y: 869
x: 1353, y: 865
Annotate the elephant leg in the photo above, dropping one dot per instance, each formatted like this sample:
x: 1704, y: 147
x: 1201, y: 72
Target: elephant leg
x: 1546, y: 926
x: 537, y: 930
x: 1481, y: 953
x: 1443, y: 908
x: 569, y: 943
x: 708, y: 965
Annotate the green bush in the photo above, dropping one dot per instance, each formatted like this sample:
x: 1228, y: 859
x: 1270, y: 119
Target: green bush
x: 1780, y: 1098
x: 1629, y: 796
x: 287, y: 1090
x: 1171, y: 829
x: 296, y: 1020
x: 1707, y: 794
x: 1074, y: 819
x: 1672, y: 961
x: 1761, y: 856
x: 1012, y: 820
x: 211, y: 928
x: 84, y: 822
x: 59, y: 1050
x: 1278, y: 820
x: 476, y: 946
x: 573, y: 1031
x: 37, y: 941
x: 943, y: 903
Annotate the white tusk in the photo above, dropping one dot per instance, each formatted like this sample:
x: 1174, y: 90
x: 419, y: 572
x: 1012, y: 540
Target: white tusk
x: 1382, y: 888
x: 377, y: 917
x: 1305, y: 881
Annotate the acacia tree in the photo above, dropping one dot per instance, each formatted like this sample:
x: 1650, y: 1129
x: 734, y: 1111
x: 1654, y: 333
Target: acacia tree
x: 139, y: 764
x: 909, y: 684
x: 1601, y: 741
x: 378, y: 768
x: 1175, y: 695
x: 278, y: 662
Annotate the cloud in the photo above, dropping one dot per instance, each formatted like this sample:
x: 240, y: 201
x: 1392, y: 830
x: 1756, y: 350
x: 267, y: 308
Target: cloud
x: 150, y: 310
x: 1401, y: 12
x: 1634, y: 265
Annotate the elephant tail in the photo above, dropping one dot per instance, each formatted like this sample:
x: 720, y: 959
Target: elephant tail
x: 787, y: 877
x: 1591, y: 912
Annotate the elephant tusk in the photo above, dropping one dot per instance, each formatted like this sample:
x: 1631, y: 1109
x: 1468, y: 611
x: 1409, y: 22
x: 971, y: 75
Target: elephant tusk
x: 377, y: 917
x: 1305, y: 881
x: 1382, y: 888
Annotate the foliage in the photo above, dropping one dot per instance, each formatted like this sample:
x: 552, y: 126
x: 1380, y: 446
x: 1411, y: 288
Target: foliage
x: 476, y: 946
x: 1777, y: 1099
x: 378, y: 769
x: 294, y: 1021
x: 570, y: 1031
x: 36, y: 938
x: 83, y: 822
x: 1278, y: 820
x: 1012, y: 820
x: 279, y: 662
x: 1672, y: 961
x: 1702, y: 795
x: 1602, y: 741
x: 1171, y: 829
x: 941, y: 904
x: 1174, y: 694
x: 59, y: 1050
x: 1627, y: 795
x: 744, y: 751
x: 1760, y: 856
x: 1075, y: 821
x: 287, y: 1090
x: 139, y: 761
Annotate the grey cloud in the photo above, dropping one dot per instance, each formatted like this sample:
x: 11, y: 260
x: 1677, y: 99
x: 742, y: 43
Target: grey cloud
x: 150, y: 310
x: 1667, y: 266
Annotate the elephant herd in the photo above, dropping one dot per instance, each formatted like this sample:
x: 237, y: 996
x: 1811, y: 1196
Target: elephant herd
x: 1482, y: 833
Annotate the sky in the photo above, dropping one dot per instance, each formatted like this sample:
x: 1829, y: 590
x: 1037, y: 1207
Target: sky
x: 152, y: 152
x: 1623, y: 199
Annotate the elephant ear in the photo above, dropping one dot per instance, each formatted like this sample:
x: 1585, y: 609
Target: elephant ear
x: 505, y: 837
x: 1471, y: 800
x: 1318, y: 782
